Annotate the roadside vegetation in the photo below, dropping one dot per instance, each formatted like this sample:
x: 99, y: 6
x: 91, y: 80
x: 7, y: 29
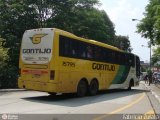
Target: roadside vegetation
x: 149, y: 27
x: 80, y: 17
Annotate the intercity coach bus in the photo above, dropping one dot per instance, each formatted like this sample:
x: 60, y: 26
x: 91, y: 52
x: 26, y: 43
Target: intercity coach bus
x: 56, y: 61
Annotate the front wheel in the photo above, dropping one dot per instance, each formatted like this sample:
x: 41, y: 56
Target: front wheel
x: 81, y: 88
x: 131, y: 83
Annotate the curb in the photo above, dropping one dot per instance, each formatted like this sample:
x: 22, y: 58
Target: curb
x: 153, y: 93
x: 12, y: 90
x: 158, y: 86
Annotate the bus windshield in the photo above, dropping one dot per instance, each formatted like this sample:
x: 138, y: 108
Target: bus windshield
x: 37, y: 46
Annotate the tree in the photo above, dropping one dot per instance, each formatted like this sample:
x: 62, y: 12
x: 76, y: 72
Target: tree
x: 149, y: 27
x: 76, y: 16
x: 95, y: 25
x: 84, y: 21
x: 156, y: 56
x: 3, y: 52
x: 123, y: 43
x: 6, y: 73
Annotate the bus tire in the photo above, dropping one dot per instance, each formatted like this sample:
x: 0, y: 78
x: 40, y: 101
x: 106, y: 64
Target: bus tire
x: 131, y: 83
x: 82, y: 88
x: 93, y: 87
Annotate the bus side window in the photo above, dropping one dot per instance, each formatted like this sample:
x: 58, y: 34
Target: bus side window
x: 89, y: 52
x: 123, y: 62
x: 127, y: 59
x: 99, y: 53
x: 67, y: 47
x: 78, y: 49
x: 118, y: 61
x: 83, y: 51
x: 105, y: 54
x: 137, y: 67
x: 73, y: 52
x: 81, y: 47
x: 131, y: 60
x: 64, y: 46
x: 73, y: 48
x: 108, y: 56
x: 113, y: 57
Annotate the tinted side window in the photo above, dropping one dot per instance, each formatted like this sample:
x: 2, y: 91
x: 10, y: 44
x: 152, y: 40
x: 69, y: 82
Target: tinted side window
x: 127, y: 59
x: 99, y: 53
x: 137, y: 67
x: 123, y: 59
x: 132, y: 60
x: 65, y: 47
x: 70, y: 47
x: 105, y: 55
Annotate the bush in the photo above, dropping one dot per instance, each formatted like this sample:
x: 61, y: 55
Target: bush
x: 8, y: 73
x: 8, y: 76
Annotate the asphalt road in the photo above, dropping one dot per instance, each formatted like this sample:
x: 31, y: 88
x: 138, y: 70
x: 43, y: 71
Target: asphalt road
x: 112, y: 104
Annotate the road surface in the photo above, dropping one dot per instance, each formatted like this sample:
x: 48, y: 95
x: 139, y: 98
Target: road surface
x: 112, y: 104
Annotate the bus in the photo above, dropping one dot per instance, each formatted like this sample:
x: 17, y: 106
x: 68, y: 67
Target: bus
x: 55, y: 61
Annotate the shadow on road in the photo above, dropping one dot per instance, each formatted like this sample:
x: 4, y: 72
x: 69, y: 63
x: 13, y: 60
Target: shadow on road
x: 72, y: 100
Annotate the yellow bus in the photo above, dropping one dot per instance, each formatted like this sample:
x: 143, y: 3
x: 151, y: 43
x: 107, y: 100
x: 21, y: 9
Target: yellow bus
x: 56, y: 61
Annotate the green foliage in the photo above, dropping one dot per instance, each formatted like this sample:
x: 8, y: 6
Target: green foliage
x: 3, y: 53
x: 149, y: 72
x: 8, y: 76
x: 149, y: 27
x: 143, y: 69
x: 83, y: 20
x: 123, y: 43
x: 156, y: 56
x: 7, y: 72
x: 77, y: 16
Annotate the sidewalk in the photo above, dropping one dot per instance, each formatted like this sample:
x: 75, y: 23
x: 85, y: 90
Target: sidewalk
x: 155, y: 89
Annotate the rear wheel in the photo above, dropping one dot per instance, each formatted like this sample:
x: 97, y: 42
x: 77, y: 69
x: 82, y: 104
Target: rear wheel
x: 81, y: 88
x: 93, y: 87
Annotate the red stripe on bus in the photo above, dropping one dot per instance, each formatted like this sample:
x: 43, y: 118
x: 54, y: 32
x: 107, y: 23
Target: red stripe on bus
x: 25, y: 71
x: 34, y: 72
x: 44, y: 72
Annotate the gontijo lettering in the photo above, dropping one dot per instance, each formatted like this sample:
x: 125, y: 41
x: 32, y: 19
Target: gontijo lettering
x: 97, y: 66
x: 32, y: 51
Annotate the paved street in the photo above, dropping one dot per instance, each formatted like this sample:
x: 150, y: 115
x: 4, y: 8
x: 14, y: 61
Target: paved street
x: 113, y: 103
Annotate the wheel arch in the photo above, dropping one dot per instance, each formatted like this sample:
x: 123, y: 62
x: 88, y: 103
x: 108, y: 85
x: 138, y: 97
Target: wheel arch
x: 83, y: 79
